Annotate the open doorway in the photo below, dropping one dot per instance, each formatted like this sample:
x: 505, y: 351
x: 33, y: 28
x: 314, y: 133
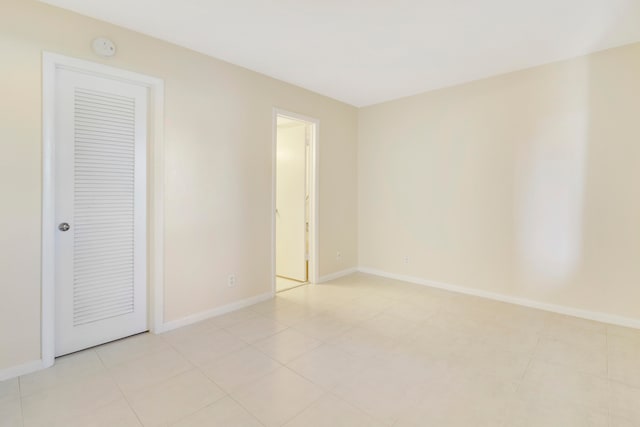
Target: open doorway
x: 295, y: 183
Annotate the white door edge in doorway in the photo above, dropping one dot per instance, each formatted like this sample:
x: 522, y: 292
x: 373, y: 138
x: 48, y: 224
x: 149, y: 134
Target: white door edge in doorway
x: 313, y: 199
x: 51, y: 63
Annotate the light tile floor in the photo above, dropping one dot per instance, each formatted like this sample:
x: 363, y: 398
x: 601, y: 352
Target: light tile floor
x: 358, y: 351
x: 283, y: 284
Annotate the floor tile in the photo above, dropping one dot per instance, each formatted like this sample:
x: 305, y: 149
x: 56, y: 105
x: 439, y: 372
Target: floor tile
x: 292, y: 314
x: 621, y: 331
x: 373, y: 301
x: 475, y: 400
x: 330, y: 411
x: 327, y: 366
x: 624, y: 359
x: 625, y: 402
x: 617, y: 421
x: 538, y: 411
x: 494, y: 361
x: 425, y: 298
x: 283, y: 284
x: 322, y: 326
x: 573, y: 330
x: 360, y: 350
x: 117, y: 413
x: 566, y: 385
x: 364, y: 342
x: 287, y: 345
x: 131, y: 348
x: 414, y: 366
x: 149, y: 370
x: 277, y: 397
x: 355, y: 313
x: 209, y: 346
x: 512, y: 338
x: 391, y: 326
x: 240, y: 368
x: 174, y: 399
x: 188, y: 333
x: 440, y: 339
x: 524, y: 319
x: 590, y: 358
x: 382, y: 393
x: 255, y: 329
x: 10, y: 412
x: 475, y: 310
x: 9, y: 389
x: 224, y: 413
x: 233, y: 318
x: 67, y: 369
x: 271, y: 305
x: 296, y: 295
x: 411, y: 312
x: 58, y: 405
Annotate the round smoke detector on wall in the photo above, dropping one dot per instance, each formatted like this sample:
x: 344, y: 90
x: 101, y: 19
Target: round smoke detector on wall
x: 103, y: 46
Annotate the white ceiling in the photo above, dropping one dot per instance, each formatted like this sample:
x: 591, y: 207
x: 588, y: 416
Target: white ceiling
x: 368, y: 51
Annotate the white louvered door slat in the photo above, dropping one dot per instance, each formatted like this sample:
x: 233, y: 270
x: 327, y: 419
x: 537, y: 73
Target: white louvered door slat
x: 101, y: 193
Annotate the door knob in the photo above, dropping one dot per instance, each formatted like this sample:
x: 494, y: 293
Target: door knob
x: 64, y: 226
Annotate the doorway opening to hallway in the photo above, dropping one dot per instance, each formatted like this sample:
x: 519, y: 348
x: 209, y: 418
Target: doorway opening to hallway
x: 295, y: 200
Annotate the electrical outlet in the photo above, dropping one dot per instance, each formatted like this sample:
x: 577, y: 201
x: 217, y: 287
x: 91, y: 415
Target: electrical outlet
x: 231, y: 280
x: 405, y: 259
x: 338, y: 256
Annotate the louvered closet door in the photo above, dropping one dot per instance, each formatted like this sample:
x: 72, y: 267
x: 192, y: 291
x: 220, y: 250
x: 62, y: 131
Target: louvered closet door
x: 100, y: 146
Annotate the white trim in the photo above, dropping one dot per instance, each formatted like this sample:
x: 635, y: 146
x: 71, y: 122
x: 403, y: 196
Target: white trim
x: 25, y: 368
x: 204, y: 315
x: 156, y: 230
x: 554, y: 308
x: 50, y: 63
x: 314, y: 263
x: 337, y: 274
x: 47, y: 329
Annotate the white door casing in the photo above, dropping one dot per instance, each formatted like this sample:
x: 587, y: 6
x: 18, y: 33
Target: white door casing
x: 100, y: 191
x: 291, y: 203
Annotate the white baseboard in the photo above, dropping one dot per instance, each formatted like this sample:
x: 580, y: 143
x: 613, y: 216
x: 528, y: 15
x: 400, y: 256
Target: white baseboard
x: 203, y: 315
x: 554, y: 308
x: 337, y: 275
x: 25, y: 368
x: 36, y: 365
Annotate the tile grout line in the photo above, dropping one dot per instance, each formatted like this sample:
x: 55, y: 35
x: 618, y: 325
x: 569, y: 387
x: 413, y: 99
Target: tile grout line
x: 227, y: 393
x: 609, y: 385
x: 71, y: 383
x: 20, y: 397
x: 202, y: 408
x: 124, y: 396
x: 246, y: 410
x: 324, y: 393
x: 192, y: 367
x: 531, y: 358
x: 296, y: 357
x: 199, y: 369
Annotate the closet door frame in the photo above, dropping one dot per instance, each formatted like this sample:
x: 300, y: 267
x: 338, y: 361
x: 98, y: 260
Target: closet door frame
x: 51, y: 63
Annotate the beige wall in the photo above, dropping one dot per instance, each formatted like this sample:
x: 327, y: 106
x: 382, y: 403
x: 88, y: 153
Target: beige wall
x: 526, y: 184
x: 218, y: 132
